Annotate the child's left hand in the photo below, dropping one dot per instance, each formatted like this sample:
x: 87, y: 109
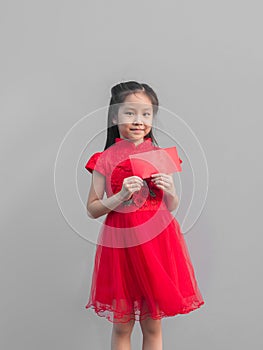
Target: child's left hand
x: 164, y: 182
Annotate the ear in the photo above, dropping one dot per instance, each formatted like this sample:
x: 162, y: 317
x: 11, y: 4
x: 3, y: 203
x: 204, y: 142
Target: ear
x: 114, y: 120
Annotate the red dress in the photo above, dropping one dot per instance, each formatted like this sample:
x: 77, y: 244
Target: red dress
x: 142, y: 266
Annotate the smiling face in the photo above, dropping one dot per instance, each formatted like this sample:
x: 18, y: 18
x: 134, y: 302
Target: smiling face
x: 135, y: 117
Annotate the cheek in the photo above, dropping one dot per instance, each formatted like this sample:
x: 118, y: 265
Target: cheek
x: 148, y: 124
x: 122, y: 120
x: 123, y: 125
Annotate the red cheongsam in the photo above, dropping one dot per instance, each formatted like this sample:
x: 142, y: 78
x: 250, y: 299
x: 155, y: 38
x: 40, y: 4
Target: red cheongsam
x: 142, y: 266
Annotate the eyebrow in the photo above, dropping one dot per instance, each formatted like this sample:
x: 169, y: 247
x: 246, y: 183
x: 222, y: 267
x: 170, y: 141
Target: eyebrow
x: 134, y: 109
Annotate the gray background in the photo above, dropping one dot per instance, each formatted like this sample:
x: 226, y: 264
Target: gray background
x: 59, y: 60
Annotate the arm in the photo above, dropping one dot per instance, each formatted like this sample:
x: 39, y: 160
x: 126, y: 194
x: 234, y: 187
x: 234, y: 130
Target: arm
x: 97, y: 205
x: 170, y: 197
x: 171, y: 201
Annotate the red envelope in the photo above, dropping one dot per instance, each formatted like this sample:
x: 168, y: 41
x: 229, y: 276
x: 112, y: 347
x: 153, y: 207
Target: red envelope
x: 163, y: 160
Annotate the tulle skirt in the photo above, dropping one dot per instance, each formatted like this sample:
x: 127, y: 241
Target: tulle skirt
x: 153, y: 277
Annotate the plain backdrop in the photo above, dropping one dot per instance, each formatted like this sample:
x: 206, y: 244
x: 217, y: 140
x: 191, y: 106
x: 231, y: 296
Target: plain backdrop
x: 59, y: 60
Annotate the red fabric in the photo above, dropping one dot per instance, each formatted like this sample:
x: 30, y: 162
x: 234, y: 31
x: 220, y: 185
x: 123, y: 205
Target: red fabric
x: 142, y: 267
x: 93, y: 162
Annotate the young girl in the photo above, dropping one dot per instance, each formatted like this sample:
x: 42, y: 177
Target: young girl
x: 142, y: 268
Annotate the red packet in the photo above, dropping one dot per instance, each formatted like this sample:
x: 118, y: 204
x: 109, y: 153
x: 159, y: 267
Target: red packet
x: 163, y: 160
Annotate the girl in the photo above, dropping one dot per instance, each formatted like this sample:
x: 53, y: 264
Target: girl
x: 142, y: 268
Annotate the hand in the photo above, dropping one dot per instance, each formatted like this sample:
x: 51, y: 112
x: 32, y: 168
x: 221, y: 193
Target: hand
x: 164, y: 182
x: 130, y: 185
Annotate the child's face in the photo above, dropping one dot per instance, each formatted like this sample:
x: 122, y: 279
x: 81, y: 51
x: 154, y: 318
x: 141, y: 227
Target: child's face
x: 135, y: 113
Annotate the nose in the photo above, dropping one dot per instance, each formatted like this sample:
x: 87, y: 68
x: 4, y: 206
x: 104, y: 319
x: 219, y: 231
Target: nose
x: 137, y: 119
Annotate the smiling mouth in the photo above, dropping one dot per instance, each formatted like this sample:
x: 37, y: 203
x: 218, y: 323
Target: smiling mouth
x: 137, y: 129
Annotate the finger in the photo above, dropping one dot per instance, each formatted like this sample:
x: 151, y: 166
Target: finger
x: 130, y: 186
x: 164, y: 177
x: 136, y: 184
x: 158, y: 178
x: 161, y: 187
x: 133, y: 186
x: 153, y: 176
x: 160, y: 181
x: 158, y: 174
x: 137, y: 180
x: 136, y: 189
x: 134, y: 181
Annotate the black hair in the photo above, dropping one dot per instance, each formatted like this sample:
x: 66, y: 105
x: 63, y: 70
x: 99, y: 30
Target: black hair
x: 119, y: 93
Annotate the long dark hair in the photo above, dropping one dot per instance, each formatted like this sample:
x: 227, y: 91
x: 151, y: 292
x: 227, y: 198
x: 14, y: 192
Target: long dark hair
x: 119, y: 93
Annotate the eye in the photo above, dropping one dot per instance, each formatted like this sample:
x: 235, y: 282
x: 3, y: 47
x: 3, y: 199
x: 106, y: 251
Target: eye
x: 148, y: 114
x: 129, y: 113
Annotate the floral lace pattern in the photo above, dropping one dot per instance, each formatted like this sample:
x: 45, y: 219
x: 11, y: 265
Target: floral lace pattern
x: 115, y: 165
x: 148, y: 197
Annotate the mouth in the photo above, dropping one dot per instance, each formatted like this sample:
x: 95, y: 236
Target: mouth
x: 136, y: 129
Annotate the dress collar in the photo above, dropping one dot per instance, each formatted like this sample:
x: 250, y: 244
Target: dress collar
x: 145, y: 145
x: 118, y: 139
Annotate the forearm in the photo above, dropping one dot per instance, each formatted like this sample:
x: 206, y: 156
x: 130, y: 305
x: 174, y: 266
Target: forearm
x: 103, y: 206
x: 171, y: 201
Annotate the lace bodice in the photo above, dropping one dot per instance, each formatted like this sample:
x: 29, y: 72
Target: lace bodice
x: 115, y: 165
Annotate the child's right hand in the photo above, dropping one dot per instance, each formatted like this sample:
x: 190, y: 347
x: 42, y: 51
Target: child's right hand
x: 130, y: 185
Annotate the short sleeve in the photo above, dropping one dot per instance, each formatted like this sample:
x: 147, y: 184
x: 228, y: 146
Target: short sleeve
x: 96, y: 163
